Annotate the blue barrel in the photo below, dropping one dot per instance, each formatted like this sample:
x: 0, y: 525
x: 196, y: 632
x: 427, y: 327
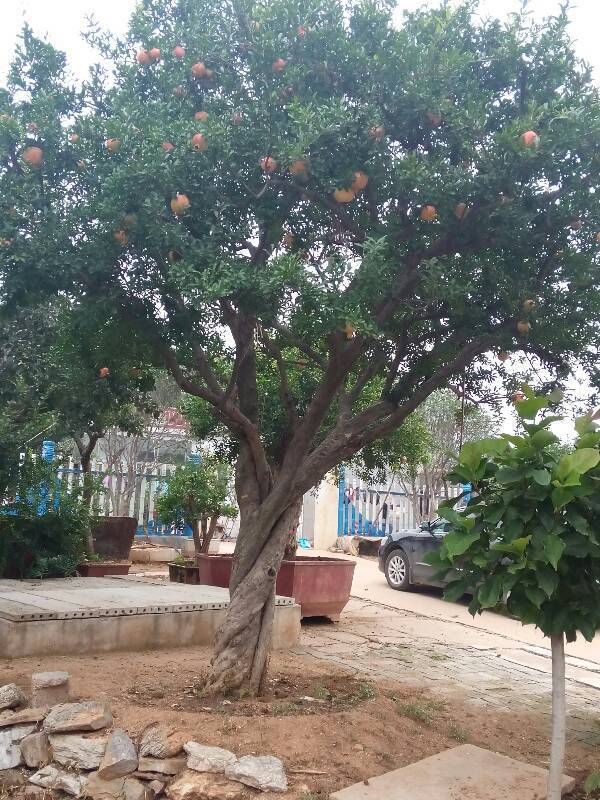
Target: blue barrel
x: 48, y: 450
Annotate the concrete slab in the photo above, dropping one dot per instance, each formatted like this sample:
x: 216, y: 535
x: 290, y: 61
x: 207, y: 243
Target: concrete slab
x: 81, y: 615
x: 461, y: 773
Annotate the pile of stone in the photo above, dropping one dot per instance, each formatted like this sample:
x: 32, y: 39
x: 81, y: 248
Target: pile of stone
x: 73, y: 748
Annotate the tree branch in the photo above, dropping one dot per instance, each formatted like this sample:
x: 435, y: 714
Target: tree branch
x: 284, y: 386
x: 324, y: 202
x: 378, y: 420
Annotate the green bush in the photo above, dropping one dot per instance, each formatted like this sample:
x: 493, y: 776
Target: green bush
x: 42, y: 530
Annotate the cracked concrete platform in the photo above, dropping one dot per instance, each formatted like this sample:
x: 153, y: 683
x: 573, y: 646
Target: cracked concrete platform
x: 461, y: 773
x: 87, y: 615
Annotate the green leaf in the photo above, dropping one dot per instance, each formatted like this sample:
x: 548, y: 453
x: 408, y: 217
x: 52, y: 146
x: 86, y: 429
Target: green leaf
x: 547, y: 579
x: 579, y: 462
x: 472, y: 452
x: 523, y: 608
x: 588, y: 440
x: 516, y: 547
x: 508, y: 475
x: 450, y: 514
x: 518, y: 441
x: 456, y: 543
x: 541, y: 476
x: 529, y: 409
x: 577, y: 520
x: 543, y: 438
x: 536, y: 595
x: 553, y: 548
x: 455, y: 590
x: 584, y: 424
x: 561, y: 496
x: 490, y: 592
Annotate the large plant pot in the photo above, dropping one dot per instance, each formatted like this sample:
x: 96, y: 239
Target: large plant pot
x: 113, y: 537
x: 321, y: 586
x: 100, y: 569
x: 184, y: 573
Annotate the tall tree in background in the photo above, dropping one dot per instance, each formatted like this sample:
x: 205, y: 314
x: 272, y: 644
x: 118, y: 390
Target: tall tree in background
x: 398, y: 204
x: 54, y: 370
x: 449, y: 423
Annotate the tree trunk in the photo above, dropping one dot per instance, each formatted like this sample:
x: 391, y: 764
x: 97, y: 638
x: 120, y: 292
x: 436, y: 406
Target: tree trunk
x: 557, y: 748
x: 88, y: 490
x: 243, y: 641
x: 207, y: 534
x: 199, y: 533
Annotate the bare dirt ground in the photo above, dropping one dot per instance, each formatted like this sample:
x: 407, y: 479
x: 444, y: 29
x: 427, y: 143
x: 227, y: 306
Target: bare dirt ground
x: 353, y: 729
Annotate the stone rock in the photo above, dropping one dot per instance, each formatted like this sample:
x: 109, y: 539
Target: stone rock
x: 194, y: 785
x: 161, y: 741
x: 261, y: 772
x: 35, y: 749
x: 9, y: 778
x: 164, y: 766
x: 135, y: 789
x: 104, y: 790
x: 156, y: 787
x: 11, y: 696
x: 120, y: 757
x: 19, y: 717
x: 208, y: 759
x: 52, y: 778
x: 10, y: 750
x: 49, y: 688
x: 19, y: 732
x: 44, y: 680
x: 121, y: 788
x: 85, y: 716
x: 77, y: 752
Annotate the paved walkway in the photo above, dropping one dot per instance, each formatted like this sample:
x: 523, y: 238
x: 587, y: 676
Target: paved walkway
x: 448, y: 658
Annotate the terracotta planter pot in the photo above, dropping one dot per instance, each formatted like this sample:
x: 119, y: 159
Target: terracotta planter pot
x: 113, y: 537
x: 99, y: 569
x: 184, y: 573
x: 320, y: 585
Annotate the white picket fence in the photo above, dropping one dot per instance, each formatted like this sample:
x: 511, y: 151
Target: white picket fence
x: 146, y: 485
x: 374, y: 510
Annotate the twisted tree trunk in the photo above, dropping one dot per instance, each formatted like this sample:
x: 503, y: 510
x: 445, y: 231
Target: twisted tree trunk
x: 85, y: 458
x: 243, y: 641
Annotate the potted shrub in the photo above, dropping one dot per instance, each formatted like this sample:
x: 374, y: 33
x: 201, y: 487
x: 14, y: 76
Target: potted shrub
x: 96, y: 567
x: 184, y: 570
x: 200, y: 493
x: 529, y: 533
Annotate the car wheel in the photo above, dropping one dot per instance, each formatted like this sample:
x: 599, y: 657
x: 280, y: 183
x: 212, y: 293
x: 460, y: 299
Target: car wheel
x: 396, y: 570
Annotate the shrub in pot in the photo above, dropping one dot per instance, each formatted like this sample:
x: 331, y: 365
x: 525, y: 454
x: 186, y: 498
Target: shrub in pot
x: 200, y: 493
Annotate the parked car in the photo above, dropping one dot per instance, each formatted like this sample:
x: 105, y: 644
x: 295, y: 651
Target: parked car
x: 402, y: 555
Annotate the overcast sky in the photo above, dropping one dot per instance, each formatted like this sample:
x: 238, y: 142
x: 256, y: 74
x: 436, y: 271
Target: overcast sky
x: 62, y: 21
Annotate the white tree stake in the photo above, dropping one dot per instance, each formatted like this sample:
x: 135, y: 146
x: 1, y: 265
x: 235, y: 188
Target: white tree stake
x: 557, y: 749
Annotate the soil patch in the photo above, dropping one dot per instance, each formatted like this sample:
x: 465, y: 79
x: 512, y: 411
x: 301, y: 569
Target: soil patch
x: 350, y: 729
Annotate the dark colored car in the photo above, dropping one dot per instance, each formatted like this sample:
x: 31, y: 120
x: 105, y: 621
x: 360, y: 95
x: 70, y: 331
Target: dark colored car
x: 402, y: 555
